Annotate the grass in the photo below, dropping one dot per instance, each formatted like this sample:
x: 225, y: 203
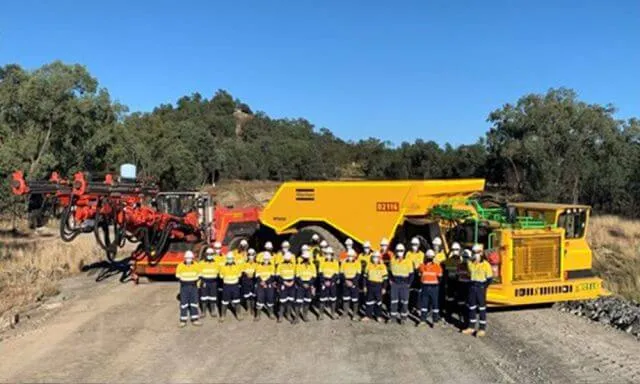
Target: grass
x: 31, y: 265
x: 616, y: 253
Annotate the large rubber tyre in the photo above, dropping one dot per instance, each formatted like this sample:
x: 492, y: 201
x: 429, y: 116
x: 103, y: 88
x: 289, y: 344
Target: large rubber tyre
x: 304, y: 237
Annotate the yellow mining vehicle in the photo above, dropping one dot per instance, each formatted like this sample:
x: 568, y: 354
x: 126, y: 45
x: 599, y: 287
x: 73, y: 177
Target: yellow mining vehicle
x: 538, y: 251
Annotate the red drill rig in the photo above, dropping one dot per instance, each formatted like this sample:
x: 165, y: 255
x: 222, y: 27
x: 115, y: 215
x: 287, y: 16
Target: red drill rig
x: 117, y: 211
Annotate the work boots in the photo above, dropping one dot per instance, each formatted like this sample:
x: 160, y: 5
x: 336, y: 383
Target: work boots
x: 270, y: 312
x: 257, y: 314
x: 251, y: 306
x: 223, y: 313
x: 237, y: 308
x: 213, y: 309
x: 345, y: 308
x: 304, y: 312
x: 295, y: 319
x: 321, y: 311
x: 356, y: 311
x: 333, y: 310
x: 280, y: 313
x: 203, y: 310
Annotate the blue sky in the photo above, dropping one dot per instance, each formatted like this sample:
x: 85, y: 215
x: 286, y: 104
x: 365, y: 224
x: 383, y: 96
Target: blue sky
x: 397, y: 70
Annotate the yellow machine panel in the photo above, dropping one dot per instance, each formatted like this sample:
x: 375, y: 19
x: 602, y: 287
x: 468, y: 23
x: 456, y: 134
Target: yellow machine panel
x: 362, y: 210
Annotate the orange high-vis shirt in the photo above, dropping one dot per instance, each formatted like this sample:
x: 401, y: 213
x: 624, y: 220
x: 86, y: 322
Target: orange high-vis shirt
x: 430, y: 273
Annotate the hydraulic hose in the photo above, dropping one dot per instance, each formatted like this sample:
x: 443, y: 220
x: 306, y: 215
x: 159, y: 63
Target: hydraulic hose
x: 67, y: 234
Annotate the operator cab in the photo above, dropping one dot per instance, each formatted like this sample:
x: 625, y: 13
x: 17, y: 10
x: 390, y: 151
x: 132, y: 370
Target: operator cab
x: 181, y: 203
x: 572, y: 218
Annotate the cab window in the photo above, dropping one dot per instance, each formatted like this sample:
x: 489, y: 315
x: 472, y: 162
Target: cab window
x: 574, y: 223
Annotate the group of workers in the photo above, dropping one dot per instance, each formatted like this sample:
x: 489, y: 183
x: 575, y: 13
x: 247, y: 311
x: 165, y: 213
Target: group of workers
x: 317, y: 278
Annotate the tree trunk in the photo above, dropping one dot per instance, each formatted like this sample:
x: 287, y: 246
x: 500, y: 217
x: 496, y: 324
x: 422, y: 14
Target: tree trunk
x: 515, y: 173
x: 43, y: 148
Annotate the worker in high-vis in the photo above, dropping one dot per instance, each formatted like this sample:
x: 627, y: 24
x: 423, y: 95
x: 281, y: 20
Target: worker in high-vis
x: 430, y: 274
x: 188, y: 272
x: 265, y: 286
x: 328, y: 274
x: 416, y: 256
x: 230, y: 274
x: 285, y: 248
x: 218, y: 257
x: 385, y: 253
x: 449, y: 281
x: 350, y: 272
x: 286, y: 272
x: 462, y: 287
x: 481, y: 275
x: 399, y: 283
x: 306, y: 274
x: 376, y: 277
x: 248, y: 279
x: 348, y: 244
x: 209, y: 273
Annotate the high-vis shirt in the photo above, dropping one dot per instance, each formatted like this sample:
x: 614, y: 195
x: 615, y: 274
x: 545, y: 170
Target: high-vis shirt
x: 209, y: 269
x: 220, y: 260
x: 417, y: 258
x: 480, y: 272
x: 365, y: 259
x: 401, y: 270
x: 249, y: 268
x: 376, y: 273
x: 450, y: 266
x: 316, y: 252
x: 260, y: 258
x: 188, y: 273
x: 329, y: 269
x: 230, y: 273
x: 430, y: 273
x: 265, y: 272
x: 306, y: 272
x: 239, y: 256
x: 286, y: 271
x: 350, y: 269
x: 279, y: 258
x: 440, y: 257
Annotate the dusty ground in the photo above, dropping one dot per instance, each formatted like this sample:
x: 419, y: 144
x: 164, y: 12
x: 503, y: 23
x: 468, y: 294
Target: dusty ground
x: 114, y: 332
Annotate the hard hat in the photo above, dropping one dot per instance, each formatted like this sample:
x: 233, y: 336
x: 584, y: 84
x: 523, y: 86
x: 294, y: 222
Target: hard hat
x: 188, y: 255
x: 209, y: 251
x: 251, y: 252
x: 315, y: 237
x: 415, y: 241
x: 466, y: 254
x: 268, y: 245
x: 217, y: 245
x: 324, y: 244
x: 244, y: 243
x: 306, y: 254
x: 400, y: 248
x: 384, y: 241
x: 430, y: 253
x: 305, y: 247
x: 229, y: 256
x: 455, y: 246
x: 348, y: 242
x: 436, y: 241
x: 367, y: 244
x: 285, y: 244
x: 477, y: 248
x: 329, y: 251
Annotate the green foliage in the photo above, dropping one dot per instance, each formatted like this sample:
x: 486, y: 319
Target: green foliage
x: 546, y: 147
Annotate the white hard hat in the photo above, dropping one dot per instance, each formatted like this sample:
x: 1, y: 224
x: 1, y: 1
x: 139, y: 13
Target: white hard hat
x: 244, y: 243
x: 315, y: 237
x: 329, y: 250
x: 430, y: 253
x: 477, y: 248
x: 415, y: 241
x: 209, y: 251
x: 217, y: 245
x: 188, y: 255
x: 367, y: 244
x: 436, y: 241
x: 324, y: 244
x: 400, y: 247
x: 348, y: 242
x: 268, y: 245
x: 306, y: 254
x: 305, y: 247
x: 229, y: 255
x: 285, y: 244
x: 251, y: 252
x: 384, y: 241
x: 455, y: 246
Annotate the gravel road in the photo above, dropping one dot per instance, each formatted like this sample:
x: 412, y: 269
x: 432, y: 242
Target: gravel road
x: 113, y: 332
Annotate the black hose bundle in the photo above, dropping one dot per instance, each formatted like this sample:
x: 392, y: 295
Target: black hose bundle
x: 67, y: 233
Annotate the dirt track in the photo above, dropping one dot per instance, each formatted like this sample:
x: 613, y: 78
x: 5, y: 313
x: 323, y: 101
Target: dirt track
x: 113, y: 332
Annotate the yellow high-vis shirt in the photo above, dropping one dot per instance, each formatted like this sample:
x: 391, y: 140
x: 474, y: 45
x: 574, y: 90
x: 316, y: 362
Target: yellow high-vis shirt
x: 230, y: 273
x: 376, y: 273
x: 306, y: 271
x: 188, y: 273
x: 328, y: 269
x: 350, y: 269
x: 480, y: 272
x: 209, y: 269
x: 286, y: 271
